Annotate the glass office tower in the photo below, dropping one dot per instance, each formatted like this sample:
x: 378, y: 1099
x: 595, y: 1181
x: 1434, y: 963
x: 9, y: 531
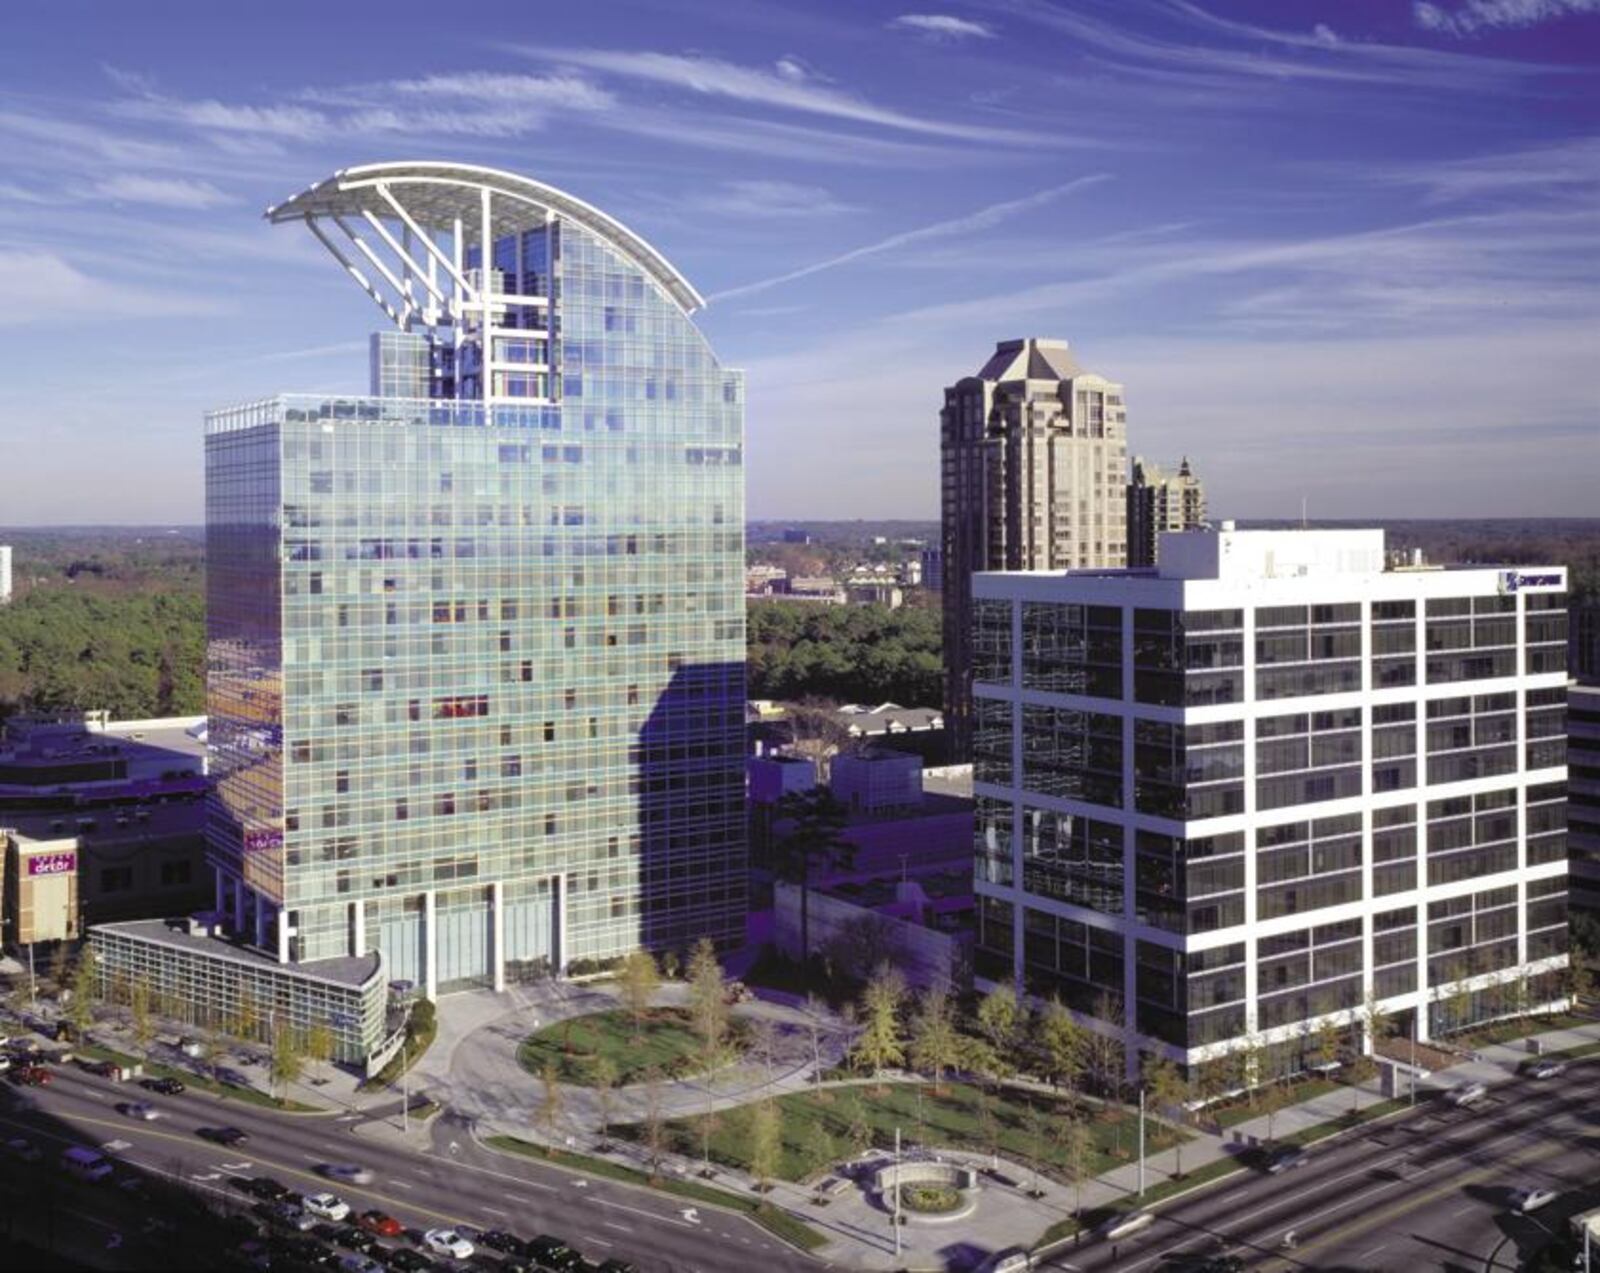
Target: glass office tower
x: 476, y: 659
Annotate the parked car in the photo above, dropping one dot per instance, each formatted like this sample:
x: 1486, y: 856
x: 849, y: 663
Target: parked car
x: 1547, y: 1069
x: 1526, y: 1200
x: 500, y: 1240
x: 166, y: 1086
x: 1286, y: 1158
x: 264, y: 1187
x: 618, y: 1266
x: 291, y: 1217
x: 327, y: 1206
x: 381, y: 1223
x: 143, y: 1111
x: 354, y: 1239
x: 356, y: 1262
x: 447, y: 1242
x: 223, y: 1135
x: 409, y: 1261
x: 552, y: 1253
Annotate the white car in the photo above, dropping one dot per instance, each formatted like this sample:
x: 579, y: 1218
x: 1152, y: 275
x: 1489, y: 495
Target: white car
x: 327, y: 1205
x: 1526, y: 1200
x: 1468, y: 1095
x: 1548, y: 1070
x: 447, y: 1242
x: 141, y: 1110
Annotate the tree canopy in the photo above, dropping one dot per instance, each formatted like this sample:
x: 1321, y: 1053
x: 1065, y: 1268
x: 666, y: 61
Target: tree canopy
x: 855, y: 654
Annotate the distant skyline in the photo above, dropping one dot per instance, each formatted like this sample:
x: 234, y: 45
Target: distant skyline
x: 1342, y: 252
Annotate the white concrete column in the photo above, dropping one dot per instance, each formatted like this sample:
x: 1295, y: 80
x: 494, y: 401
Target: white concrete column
x: 358, y: 927
x: 497, y: 933
x: 283, y: 934
x: 430, y: 947
x: 560, y: 882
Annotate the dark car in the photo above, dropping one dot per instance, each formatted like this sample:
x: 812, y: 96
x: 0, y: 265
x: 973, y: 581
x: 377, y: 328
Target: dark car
x: 1285, y: 1158
x: 166, y: 1086
x: 30, y: 1076
x: 265, y: 1187
x: 354, y: 1239
x: 223, y: 1135
x: 618, y: 1266
x: 100, y: 1069
x: 500, y: 1240
x: 553, y: 1253
x: 409, y: 1261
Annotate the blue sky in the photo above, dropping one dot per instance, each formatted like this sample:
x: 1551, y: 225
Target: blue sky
x: 1342, y: 251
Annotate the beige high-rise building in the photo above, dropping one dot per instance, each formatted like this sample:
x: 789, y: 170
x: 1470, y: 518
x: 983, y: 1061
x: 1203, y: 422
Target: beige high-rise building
x: 1034, y: 463
x: 1159, y: 500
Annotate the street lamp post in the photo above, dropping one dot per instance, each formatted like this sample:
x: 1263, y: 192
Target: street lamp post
x: 896, y: 1217
x: 405, y: 1092
x: 1141, y: 1142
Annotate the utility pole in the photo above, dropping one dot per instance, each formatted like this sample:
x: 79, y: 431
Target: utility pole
x: 897, y: 1192
x: 405, y: 1092
x: 1141, y: 1142
x: 33, y: 996
x: 1414, y: 1055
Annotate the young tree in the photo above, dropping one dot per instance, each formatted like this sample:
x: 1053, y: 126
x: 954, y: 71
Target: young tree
x: 638, y: 980
x: 989, y: 1128
x: 708, y: 999
x: 144, y: 1026
x: 879, y: 1046
x: 655, y: 1128
x: 1064, y: 1044
x: 288, y: 1057
x: 935, y: 1046
x: 857, y: 1127
x: 1168, y: 1089
x: 813, y: 840
x: 766, y: 1142
x: 552, y: 1104
x: 603, y: 1079
x: 998, y: 1020
x: 246, y: 1016
x: 1580, y: 981
x: 820, y: 1149
x: 60, y: 967
x: 1036, y: 1127
x: 814, y: 1029
x: 213, y: 1047
x: 320, y: 1043
x: 85, y: 992
x: 1077, y: 1146
x: 1327, y: 1041
x: 1274, y: 1098
x: 1458, y: 1007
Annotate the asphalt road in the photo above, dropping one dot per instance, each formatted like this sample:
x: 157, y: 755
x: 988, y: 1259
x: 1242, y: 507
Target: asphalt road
x: 1417, y: 1192
x: 454, y: 1181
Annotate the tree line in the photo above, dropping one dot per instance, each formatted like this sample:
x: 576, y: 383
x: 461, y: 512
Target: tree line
x: 853, y: 654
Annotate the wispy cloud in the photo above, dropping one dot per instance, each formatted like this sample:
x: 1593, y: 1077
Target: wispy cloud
x: 164, y: 192
x: 712, y: 77
x: 43, y: 287
x: 289, y: 121
x: 1476, y: 15
x: 1246, y: 52
x: 764, y: 200
x: 982, y: 219
x: 943, y: 26
x: 1564, y: 167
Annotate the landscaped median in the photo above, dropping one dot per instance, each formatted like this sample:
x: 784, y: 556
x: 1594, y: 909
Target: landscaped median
x: 775, y: 1220
x: 198, y: 1082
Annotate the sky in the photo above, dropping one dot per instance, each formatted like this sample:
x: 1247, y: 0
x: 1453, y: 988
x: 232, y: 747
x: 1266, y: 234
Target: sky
x: 1345, y: 252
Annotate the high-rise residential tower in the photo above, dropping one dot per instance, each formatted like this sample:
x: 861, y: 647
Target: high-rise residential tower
x: 1033, y: 470
x: 1158, y: 502
x: 1268, y: 784
x: 476, y: 642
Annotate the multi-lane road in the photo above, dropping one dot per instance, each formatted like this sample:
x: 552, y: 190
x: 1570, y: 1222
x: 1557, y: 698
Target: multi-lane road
x: 453, y: 1180
x: 1430, y: 1190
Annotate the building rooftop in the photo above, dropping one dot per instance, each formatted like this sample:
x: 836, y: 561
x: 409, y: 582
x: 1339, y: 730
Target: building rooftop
x: 352, y: 970
x: 1034, y: 358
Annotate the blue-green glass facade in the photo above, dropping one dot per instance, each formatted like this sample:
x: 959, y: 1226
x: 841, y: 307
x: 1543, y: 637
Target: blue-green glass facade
x: 476, y: 674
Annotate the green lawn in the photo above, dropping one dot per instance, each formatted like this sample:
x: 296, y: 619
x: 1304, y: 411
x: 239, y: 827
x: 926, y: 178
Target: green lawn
x: 665, y: 1042
x: 820, y: 1128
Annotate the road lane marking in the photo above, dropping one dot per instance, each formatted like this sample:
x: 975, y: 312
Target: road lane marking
x: 612, y: 1224
x: 495, y: 1211
x: 402, y: 1184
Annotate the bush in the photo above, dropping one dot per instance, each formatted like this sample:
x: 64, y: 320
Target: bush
x: 930, y: 1199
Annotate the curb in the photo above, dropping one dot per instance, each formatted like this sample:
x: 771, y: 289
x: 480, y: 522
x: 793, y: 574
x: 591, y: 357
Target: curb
x: 652, y: 1190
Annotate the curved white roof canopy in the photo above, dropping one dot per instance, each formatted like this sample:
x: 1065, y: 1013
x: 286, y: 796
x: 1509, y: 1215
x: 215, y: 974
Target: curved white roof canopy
x: 435, y: 197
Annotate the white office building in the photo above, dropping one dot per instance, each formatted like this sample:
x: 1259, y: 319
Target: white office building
x: 5, y: 573
x: 1223, y: 801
